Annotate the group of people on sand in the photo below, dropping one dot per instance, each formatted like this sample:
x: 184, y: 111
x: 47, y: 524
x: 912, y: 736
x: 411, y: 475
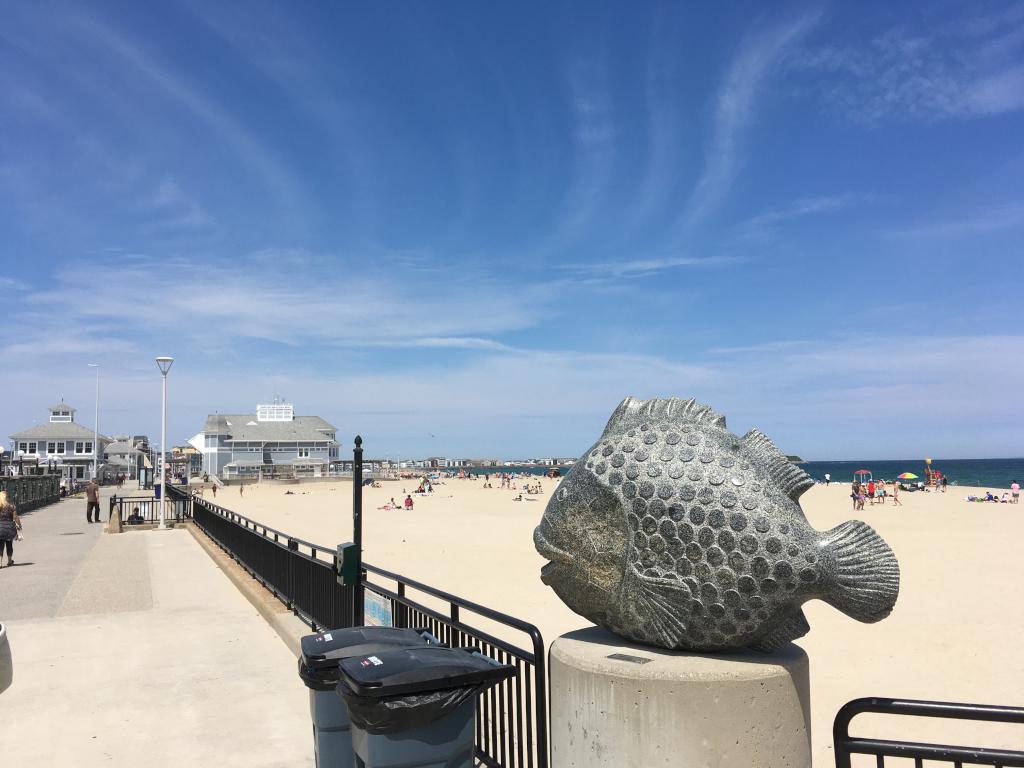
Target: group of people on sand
x: 408, y: 503
x: 1009, y: 497
x: 875, y: 493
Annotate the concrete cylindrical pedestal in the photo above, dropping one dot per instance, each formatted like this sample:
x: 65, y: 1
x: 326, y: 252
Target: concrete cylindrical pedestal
x: 615, y: 703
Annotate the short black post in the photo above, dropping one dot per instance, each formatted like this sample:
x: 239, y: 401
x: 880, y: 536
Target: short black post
x: 357, y: 530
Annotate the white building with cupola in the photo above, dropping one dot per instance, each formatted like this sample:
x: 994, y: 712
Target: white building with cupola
x: 59, y: 442
x: 273, y: 442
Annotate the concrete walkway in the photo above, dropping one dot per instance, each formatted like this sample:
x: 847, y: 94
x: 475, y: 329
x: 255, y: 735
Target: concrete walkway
x: 134, y: 649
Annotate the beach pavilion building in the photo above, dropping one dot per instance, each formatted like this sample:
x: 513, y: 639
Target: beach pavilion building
x: 273, y: 442
x: 61, y: 442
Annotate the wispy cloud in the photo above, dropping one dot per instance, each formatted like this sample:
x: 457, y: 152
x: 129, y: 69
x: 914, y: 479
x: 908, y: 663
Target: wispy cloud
x: 593, y: 140
x: 287, y: 297
x: 978, y: 222
x: 765, y: 224
x: 276, y: 177
x: 647, y: 267
x: 736, y: 100
x: 967, y: 68
x: 13, y: 284
x: 178, y: 210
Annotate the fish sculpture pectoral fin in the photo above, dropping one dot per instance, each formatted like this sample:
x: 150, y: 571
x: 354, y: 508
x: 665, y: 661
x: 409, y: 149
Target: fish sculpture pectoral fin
x: 863, y: 577
x: 659, y: 604
x: 788, y: 630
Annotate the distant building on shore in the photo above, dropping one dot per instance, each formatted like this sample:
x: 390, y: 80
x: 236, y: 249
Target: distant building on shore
x: 271, y: 442
x: 128, y: 455
x: 61, y: 442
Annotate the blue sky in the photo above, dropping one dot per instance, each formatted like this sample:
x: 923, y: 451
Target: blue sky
x: 471, y: 228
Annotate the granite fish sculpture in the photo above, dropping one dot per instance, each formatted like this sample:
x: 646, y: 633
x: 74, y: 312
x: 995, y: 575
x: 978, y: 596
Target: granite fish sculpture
x: 672, y: 531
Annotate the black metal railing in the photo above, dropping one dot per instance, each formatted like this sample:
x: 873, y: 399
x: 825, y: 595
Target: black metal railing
x: 141, y: 510
x: 511, y: 727
x: 30, y: 492
x: 846, y: 745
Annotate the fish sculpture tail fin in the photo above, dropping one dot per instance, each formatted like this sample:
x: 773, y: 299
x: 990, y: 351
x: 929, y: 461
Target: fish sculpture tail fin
x: 865, y: 576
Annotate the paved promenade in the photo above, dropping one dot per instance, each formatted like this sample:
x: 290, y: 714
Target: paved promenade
x: 135, y: 649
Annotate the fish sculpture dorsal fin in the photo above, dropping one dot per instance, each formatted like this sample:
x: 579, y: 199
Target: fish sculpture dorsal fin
x: 632, y: 411
x: 788, y: 476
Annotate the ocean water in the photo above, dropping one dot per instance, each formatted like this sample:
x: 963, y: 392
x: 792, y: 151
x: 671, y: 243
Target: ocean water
x: 983, y: 473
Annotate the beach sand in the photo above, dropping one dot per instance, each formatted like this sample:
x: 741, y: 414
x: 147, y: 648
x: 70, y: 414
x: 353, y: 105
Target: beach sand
x: 955, y: 634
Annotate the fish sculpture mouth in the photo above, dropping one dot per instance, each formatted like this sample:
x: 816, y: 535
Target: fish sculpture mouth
x: 554, y: 555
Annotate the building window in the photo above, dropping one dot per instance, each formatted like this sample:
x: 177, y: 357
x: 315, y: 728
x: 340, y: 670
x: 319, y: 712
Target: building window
x: 303, y: 453
x: 61, y: 447
x: 51, y: 447
x: 23, y: 447
x: 81, y: 447
x: 31, y: 447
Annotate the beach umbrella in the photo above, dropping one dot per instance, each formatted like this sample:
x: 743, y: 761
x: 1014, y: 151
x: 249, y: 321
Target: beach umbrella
x: 862, y: 472
x: 907, y: 476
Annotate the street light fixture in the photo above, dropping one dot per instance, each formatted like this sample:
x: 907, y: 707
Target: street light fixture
x: 96, y: 425
x: 164, y: 364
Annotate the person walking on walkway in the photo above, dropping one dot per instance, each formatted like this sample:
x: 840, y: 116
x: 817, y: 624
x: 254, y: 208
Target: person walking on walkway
x: 10, y: 524
x: 92, y: 501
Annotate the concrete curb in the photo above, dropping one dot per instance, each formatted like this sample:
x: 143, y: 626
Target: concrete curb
x: 287, y: 625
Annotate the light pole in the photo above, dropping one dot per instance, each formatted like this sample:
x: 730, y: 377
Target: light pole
x: 95, y: 430
x: 164, y: 363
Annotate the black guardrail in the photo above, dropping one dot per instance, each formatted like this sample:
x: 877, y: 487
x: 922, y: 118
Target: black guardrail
x: 142, y: 510
x: 30, y: 492
x: 511, y: 727
x: 846, y: 745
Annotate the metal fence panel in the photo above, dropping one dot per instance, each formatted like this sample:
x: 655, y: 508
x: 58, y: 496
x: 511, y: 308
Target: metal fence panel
x: 846, y: 745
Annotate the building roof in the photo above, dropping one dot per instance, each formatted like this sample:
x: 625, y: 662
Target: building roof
x: 246, y: 428
x: 306, y: 461
x: 61, y: 406
x: 245, y: 462
x: 57, y: 430
x: 119, y: 447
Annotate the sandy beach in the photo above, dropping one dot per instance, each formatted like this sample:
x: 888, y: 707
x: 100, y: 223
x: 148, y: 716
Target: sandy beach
x: 953, y: 636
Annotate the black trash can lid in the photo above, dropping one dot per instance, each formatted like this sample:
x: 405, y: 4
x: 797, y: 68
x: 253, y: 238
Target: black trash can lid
x: 418, y: 670
x: 326, y: 649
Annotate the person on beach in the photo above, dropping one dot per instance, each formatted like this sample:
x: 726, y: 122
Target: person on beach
x: 945, y: 482
x: 408, y: 502
x: 871, y: 491
x: 240, y: 487
x: 214, y: 489
x: 10, y: 524
x: 92, y: 501
x: 896, y: 494
x: 828, y: 479
x: 855, y: 493
x: 1014, y: 492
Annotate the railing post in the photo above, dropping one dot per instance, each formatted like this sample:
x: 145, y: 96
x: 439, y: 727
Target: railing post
x: 357, y: 530
x: 293, y: 546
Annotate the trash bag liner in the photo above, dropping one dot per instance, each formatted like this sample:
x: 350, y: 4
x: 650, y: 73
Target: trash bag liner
x: 394, y: 691
x: 403, y: 713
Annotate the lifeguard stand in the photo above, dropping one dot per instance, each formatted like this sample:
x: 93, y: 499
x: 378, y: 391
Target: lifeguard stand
x: 932, y: 477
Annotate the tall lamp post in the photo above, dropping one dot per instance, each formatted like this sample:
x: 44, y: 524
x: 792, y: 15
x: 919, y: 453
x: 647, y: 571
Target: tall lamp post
x: 164, y: 364
x: 96, y: 425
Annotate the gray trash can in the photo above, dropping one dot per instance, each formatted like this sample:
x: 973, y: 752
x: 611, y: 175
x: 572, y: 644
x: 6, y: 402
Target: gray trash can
x: 318, y: 668
x: 416, y: 707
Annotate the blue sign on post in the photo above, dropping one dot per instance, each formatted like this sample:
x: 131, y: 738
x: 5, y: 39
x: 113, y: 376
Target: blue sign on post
x: 377, y: 610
